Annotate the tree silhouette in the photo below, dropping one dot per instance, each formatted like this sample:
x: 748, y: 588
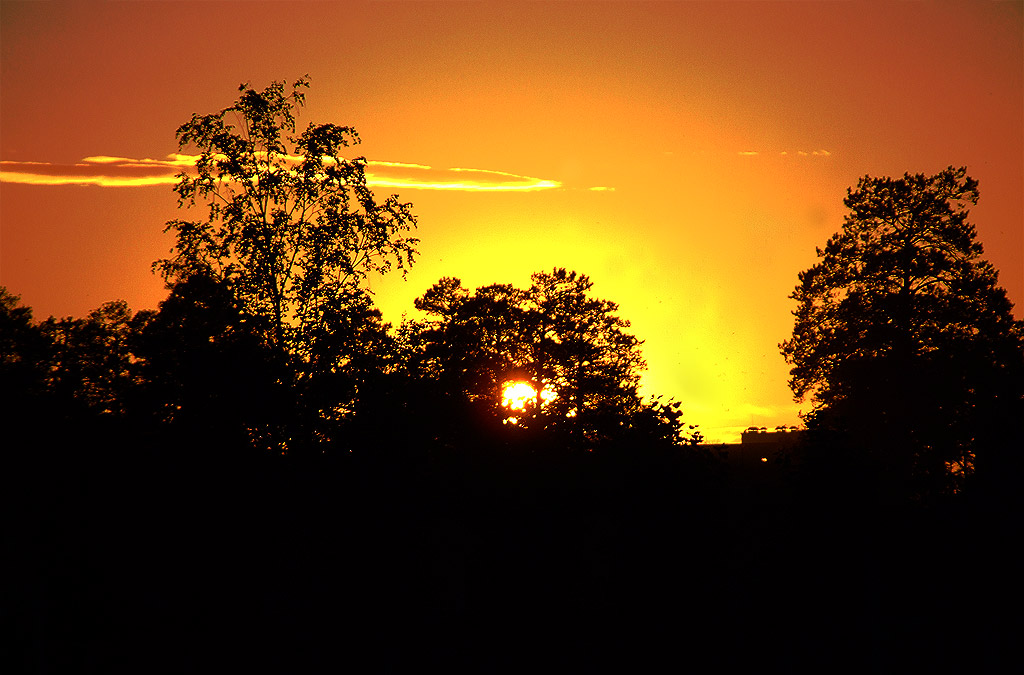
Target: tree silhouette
x: 902, y: 335
x: 291, y: 223
x: 91, y: 359
x: 22, y: 347
x: 350, y: 353
x: 580, y: 349
x: 205, y: 372
x: 25, y: 356
x: 292, y: 231
x: 571, y: 348
x: 472, y: 343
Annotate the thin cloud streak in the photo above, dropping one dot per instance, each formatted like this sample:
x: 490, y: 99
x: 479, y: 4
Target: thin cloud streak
x: 787, y: 153
x: 109, y: 171
x: 101, y: 171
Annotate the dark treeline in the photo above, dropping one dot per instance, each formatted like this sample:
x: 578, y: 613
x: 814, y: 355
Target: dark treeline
x: 260, y: 474
x: 153, y: 523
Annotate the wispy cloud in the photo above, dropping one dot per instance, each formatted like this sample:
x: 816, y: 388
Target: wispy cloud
x: 107, y: 171
x: 805, y: 153
x: 100, y: 170
x: 788, y: 153
x: 422, y: 177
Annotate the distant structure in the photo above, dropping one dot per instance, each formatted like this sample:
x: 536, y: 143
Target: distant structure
x: 759, y: 446
x: 783, y: 435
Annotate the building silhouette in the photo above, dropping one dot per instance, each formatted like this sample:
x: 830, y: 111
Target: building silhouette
x: 758, y: 446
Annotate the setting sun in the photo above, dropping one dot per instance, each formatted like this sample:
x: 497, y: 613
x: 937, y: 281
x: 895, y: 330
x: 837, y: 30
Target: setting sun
x: 516, y: 395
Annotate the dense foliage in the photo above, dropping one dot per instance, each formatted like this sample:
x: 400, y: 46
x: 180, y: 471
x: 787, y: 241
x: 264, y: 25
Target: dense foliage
x: 290, y: 221
x: 570, y: 348
x: 903, y: 339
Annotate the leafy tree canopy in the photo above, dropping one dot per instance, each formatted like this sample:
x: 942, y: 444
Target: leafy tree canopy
x: 901, y: 327
x: 570, y: 347
x: 92, y: 360
x: 204, y: 370
x: 290, y: 221
x: 24, y: 352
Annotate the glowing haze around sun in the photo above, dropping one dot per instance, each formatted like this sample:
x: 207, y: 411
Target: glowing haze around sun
x: 688, y: 157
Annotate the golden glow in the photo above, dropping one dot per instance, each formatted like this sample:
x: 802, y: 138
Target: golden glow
x: 625, y: 156
x: 517, y: 395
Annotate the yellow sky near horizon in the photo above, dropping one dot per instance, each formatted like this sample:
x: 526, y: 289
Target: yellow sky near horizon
x: 724, y: 135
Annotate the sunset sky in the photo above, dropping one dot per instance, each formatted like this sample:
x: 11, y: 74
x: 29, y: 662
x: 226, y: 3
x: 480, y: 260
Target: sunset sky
x: 687, y: 156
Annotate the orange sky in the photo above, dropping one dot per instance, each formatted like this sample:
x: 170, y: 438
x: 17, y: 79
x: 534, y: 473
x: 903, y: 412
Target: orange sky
x: 725, y: 134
